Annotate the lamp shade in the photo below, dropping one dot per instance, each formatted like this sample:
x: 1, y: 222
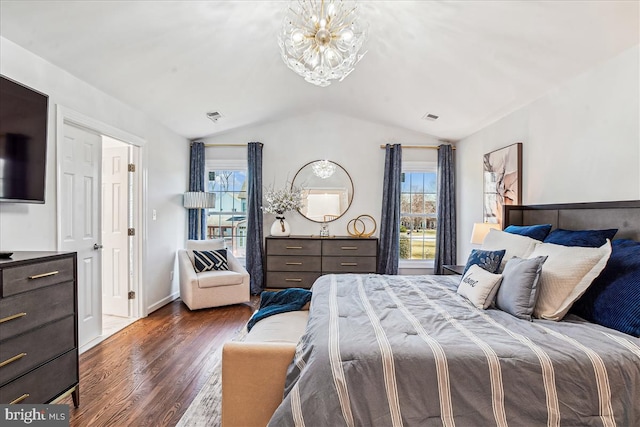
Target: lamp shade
x: 199, y: 200
x: 480, y: 231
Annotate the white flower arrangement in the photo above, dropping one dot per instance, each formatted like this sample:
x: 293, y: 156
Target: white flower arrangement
x: 284, y: 200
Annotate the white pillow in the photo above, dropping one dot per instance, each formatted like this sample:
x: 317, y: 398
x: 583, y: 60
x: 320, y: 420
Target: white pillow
x: 515, y: 245
x: 566, y: 275
x: 479, y: 286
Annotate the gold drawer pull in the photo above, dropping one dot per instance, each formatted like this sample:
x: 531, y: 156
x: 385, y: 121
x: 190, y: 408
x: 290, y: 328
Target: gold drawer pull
x: 349, y: 264
x: 40, y: 276
x: 293, y: 263
x: 293, y: 280
x: 13, y: 359
x: 20, y: 399
x: 14, y: 316
x: 349, y: 248
x: 294, y: 247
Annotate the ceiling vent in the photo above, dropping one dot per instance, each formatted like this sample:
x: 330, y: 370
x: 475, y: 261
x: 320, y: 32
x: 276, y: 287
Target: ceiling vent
x: 214, y: 116
x: 430, y: 116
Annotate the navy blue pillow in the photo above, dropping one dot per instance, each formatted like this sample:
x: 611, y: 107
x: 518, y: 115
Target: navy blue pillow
x: 488, y: 260
x: 584, y: 238
x: 538, y: 232
x: 613, y: 299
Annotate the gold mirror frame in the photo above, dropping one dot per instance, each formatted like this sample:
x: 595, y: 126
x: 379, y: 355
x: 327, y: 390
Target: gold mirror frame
x: 325, y: 199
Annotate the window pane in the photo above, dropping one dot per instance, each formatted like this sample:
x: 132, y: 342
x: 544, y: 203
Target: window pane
x: 418, y: 203
x: 417, y: 182
x: 228, y: 219
x: 418, y: 216
x: 430, y: 183
x: 405, y: 182
x: 405, y: 202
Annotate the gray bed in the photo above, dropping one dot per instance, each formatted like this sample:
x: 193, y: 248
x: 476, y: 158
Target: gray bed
x: 408, y: 350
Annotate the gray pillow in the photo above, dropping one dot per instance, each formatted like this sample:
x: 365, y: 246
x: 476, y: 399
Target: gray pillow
x: 519, y: 289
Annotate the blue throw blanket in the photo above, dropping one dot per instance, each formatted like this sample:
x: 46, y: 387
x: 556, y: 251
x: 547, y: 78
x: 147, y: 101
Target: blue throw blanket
x: 277, y: 302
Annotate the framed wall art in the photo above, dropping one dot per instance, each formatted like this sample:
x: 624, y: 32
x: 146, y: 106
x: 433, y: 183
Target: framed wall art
x: 502, y: 184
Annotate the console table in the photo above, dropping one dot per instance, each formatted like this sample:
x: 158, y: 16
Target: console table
x: 297, y: 261
x: 38, y: 327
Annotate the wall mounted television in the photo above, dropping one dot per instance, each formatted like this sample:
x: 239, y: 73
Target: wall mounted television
x: 23, y: 143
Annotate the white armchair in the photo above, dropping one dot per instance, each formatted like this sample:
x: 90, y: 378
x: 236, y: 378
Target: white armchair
x: 211, y: 288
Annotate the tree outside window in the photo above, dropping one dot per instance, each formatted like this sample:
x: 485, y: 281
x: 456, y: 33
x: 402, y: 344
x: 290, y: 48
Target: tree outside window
x: 418, y: 200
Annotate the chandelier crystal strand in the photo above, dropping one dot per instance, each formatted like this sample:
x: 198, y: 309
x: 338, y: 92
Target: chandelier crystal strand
x: 321, y: 40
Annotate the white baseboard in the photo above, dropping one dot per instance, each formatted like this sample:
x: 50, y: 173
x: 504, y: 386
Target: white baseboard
x: 163, y: 302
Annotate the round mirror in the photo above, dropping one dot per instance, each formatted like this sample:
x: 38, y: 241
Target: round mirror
x: 327, y: 190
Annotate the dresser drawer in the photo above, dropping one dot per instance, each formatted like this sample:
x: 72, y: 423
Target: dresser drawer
x: 35, y: 347
x: 347, y: 264
x: 351, y: 247
x: 35, y: 308
x: 293, y: 247
x: 280, y: 279
x: 45, y: 383
x: 293, y: 263
x: 28, y: 277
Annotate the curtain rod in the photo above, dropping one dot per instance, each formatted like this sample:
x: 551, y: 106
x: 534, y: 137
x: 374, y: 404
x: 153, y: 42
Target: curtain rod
x: 225, y: 145
x: 430, y: 147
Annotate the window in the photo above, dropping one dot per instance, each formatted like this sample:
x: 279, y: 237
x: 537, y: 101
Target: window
x: 418, y: 199
x: 228, y: 219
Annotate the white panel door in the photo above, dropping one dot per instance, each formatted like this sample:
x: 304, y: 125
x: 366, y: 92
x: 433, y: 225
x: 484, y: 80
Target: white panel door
x: 80, y: 222
x: 115, y: 240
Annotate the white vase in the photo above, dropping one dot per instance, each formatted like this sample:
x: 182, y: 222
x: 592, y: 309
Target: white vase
x: 280, y: 227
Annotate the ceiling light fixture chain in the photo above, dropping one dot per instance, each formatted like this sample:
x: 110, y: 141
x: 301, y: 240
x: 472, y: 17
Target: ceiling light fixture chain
x: 322, y: 40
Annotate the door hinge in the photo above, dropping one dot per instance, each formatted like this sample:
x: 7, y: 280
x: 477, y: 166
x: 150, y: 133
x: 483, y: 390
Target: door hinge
x: 132, y: 167
x: 131, y: 232
x: 132, y: 295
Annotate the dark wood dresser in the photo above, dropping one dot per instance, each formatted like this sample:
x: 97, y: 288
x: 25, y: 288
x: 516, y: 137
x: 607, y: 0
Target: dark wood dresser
x: 297, y: 261
x: 38, y: 327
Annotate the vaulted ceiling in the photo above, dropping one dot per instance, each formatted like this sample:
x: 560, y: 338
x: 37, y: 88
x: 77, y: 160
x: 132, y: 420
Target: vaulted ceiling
x: 469, y: 62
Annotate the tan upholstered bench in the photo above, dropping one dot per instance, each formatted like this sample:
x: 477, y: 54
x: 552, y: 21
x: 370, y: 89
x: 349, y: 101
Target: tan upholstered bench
x: 254, y: 370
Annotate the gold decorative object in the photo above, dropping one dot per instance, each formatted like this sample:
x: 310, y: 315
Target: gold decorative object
x: 354, y: 225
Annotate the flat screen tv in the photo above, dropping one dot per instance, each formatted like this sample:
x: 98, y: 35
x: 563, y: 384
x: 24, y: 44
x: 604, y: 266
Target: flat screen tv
x: 23, y: 143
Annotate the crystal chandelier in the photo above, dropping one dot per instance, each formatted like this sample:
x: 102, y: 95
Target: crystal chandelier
x: 321, y: 40
x: 323, y: 168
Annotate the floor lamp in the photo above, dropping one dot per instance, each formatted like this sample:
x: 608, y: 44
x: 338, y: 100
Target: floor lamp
x: 199, y: 200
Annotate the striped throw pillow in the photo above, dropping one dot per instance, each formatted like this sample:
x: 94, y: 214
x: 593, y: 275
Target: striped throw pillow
x: 210, y: 260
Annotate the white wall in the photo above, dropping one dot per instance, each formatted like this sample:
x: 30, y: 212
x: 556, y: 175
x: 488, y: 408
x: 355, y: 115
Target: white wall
x: 581, y: 143
x: 354, y: 144
x: 166, y: 155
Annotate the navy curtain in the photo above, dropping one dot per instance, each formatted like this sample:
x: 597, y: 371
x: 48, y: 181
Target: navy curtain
x: 389, y: 244
x: 196, y: 183
x: 446, y: 215
x: 255, y: 232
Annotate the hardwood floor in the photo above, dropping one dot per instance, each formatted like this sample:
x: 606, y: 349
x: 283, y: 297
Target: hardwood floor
x: 148, y: 373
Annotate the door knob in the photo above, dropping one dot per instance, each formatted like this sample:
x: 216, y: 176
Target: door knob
x: 97, y: 246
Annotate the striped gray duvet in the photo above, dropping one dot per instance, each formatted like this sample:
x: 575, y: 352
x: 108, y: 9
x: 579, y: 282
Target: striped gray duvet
x: 407, y: 350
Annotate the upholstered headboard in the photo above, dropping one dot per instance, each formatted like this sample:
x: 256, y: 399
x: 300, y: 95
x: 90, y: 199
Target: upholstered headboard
x: 624, y: 215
